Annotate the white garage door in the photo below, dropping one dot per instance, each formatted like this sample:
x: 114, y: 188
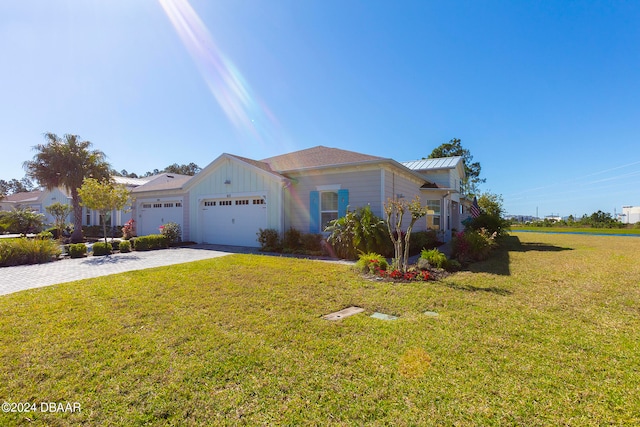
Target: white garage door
x: 153, y: 214
x: 233, y: 221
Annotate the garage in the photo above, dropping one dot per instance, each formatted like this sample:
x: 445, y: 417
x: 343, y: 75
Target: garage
x: 233, y: 220
x: 151, y: 215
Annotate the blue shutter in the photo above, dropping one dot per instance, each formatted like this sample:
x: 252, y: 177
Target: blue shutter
x: 314, y: 212
x: 343, y: 202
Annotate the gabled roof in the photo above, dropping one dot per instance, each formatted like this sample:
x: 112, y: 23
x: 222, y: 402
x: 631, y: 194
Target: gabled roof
x: 431, y: 164
x: 260, y: 165
x: 24, y: 197
x: 132, y: 182
x: 164, y: 181
x: 318, y: 157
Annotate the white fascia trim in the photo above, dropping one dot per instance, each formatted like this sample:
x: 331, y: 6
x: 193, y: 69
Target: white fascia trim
x: 332, y: 187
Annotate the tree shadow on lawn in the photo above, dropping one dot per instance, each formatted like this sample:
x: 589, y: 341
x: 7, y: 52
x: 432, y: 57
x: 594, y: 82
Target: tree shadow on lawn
x: 498, y: 262
x: 472, y: 288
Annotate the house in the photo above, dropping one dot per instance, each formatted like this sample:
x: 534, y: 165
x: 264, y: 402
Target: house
x: 38, y: 200
x: 630, y: 214
x: 233, y: 197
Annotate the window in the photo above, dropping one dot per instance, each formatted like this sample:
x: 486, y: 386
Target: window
x: 225, y: 203
x: 168, y: 205
x: 433, y: 214
x: 88, y: 217
x: 258, y: 201
x: 328, y: 207
x: 178, y: 204
x: 209, y: 203
x: 157, y: 205
x: 146, y: 206
x: 242, y: 202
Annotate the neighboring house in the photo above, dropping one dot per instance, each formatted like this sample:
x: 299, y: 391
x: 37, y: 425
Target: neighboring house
x: 36, y: 200
x: 630, y: 214
x: 232, y: 198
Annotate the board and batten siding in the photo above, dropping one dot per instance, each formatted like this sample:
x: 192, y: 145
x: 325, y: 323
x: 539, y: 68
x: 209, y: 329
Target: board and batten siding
x: 244, y: 181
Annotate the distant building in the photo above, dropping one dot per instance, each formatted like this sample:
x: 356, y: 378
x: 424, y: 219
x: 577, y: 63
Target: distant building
x: 630, y: 214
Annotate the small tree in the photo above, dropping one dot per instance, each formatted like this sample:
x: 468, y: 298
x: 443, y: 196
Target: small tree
x: 395, y: 210
x: 60, y: 213
x: 103, y: 196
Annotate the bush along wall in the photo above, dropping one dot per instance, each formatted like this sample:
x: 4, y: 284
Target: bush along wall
x: 150, y: 242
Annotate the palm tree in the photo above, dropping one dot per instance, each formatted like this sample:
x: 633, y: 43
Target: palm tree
x: 66, y: 162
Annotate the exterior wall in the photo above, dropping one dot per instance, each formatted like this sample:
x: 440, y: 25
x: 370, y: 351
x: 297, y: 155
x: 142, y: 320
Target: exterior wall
x: 154, y: 197
x: 631, y: 214
x: 54, y: 196
x: 398, y: 185
x: 364, y: 186
x: 244, y: 180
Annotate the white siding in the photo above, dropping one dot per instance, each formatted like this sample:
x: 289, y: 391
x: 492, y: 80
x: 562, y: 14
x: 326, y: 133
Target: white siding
x: 243, y: 180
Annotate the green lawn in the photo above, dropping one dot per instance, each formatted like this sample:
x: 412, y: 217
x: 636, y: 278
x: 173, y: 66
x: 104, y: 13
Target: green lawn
x: 586, y: 230
x: 545, y: 333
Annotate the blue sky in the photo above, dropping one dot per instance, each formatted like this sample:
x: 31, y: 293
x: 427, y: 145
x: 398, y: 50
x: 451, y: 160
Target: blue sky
x: 546, y: 95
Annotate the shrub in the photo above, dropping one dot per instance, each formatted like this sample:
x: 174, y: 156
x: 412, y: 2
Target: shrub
x: 489, y: 223
x: 292, y: 240
x: 311, y: 242
x: 422, y: 240
x: 371, y: 263
x: 92, y: 231
x: 150, y: 242
x: 125, y: 246
x: 101, y: 248
x: 23, y: 221
x: 77, y: 250
x: 27, y: 251
x: 127, y: 230
x: 172, y: 232
x: 358, y: 230
x: 470, y: 245
x: 115, y: 245
x: 55, y: 233
x: 45, y: 235
x: 435, y: 258
x: 269, y: 240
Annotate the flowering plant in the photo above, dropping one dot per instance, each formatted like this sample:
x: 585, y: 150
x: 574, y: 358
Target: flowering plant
x: 128, y: 230
x: 172, y: 232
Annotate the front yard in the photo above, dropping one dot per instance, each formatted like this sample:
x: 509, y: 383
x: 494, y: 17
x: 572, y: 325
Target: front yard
x: 545, y: 333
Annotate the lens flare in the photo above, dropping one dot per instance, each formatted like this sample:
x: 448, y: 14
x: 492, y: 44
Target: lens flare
x: 230, y: 89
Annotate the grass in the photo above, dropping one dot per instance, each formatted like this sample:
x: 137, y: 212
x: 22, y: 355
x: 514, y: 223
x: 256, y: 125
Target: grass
x: 544, y: 333
x: 585, y: 230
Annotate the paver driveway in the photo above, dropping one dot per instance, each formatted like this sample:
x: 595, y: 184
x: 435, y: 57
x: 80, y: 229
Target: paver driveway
x: 21, y: 277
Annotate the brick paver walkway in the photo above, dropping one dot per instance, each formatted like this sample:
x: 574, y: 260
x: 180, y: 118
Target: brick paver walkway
x: 21, y: 277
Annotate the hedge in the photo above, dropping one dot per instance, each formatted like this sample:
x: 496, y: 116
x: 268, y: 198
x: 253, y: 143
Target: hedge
x: 150, y: 242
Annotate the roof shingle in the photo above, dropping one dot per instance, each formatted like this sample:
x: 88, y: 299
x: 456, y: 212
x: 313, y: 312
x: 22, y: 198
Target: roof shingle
x: 316, y: 157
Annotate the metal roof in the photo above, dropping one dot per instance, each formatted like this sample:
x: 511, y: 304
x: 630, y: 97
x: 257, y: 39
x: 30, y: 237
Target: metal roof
x: 426, y: 164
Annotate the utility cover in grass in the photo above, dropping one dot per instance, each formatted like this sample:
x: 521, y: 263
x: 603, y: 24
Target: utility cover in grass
x: 431, y: 313
x: 383, y: 316
x: 349, y: 311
